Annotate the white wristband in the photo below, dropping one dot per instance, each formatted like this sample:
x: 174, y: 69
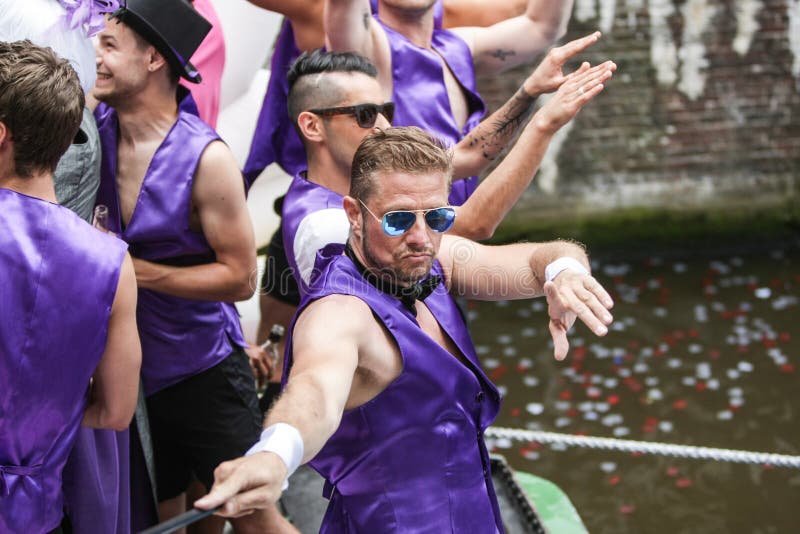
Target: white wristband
x: 284, y: 440
x: 563, y: 264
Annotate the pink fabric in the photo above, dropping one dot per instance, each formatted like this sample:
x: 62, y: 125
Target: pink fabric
x: 209, y: 59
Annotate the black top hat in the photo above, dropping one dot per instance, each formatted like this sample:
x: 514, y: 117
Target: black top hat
x: 172, y: 26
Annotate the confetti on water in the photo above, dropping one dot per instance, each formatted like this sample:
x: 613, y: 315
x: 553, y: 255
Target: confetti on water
x: 509, y: 352
x: 535, y: 408
x: 660, y: 312
x: 688, y: 381
x: 537, y: 305
x: 745, y: 367
x: 695, y: 348
x: 503, y: 443
x: 528, y: 331
x: 733, y: 374
x: 654, y: 395
x: 490, y: 363
x: 608, y: 467
x: 523, y: 313
x: 665, y: 426
x: 703, y: 371
x: 482, y: 349
x: 783, y: 302
x: 651, y: 381
x: 530, y: 381
x: 725, y: 415
x: 612, y: 419
x: 504, y: 339
x: 501, y: 303
x: 562, y: 422
x: 713, y: 384
x: 680, y: 268
x: 472, y: 315
x: 621, y: 431
x: 700, y: 314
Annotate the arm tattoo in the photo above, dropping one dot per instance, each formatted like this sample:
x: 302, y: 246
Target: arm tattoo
x: 502, y: 54
x: 365, y: 19
x: 509, y: 119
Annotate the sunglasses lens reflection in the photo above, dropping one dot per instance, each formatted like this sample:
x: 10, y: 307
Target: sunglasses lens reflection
x: 440, y: 219
x: 398, y: 222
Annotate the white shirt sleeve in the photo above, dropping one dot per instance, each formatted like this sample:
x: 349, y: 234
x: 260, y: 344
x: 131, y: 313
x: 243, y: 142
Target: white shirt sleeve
x: 317, y: 230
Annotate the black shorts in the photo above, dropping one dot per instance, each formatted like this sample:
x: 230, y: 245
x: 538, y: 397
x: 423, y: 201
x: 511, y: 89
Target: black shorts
x: 278, y: 280
x: 201, y: 422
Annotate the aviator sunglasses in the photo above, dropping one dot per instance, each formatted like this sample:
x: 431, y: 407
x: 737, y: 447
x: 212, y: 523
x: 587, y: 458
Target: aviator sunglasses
x: 365, y: 114
x: 398, y: 222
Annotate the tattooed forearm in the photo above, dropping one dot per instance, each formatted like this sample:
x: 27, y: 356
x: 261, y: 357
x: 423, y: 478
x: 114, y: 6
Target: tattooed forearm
x: 494, y: 133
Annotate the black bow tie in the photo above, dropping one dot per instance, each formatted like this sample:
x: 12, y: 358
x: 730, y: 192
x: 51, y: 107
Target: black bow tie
x: 407, y: 295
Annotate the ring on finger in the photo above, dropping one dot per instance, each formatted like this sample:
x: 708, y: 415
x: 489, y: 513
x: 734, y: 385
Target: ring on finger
x: 580, y: 90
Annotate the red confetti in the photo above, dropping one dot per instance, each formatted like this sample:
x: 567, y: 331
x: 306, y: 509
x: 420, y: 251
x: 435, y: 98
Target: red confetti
x: 613, y: 481
x: 700, y: 386
x: 679, y: 404
x: 613, y: 400
x: 694, y: 334
x: 498, y: 373
x: 627, y: 509
x: 787, y: 368
x: 784, y: 336
x: 672, y: 471
x: 714, y: 354
x: 515, y: 412
x: 683, y: 483
x: 565, y: 395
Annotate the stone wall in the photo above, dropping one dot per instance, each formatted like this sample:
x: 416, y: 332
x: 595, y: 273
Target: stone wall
x: 703, y: 112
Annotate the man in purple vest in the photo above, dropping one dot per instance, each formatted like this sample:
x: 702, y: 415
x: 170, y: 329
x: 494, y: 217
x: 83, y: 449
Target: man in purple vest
x: 175, y: 194
x: 385, y: 396
x: 69, y: 350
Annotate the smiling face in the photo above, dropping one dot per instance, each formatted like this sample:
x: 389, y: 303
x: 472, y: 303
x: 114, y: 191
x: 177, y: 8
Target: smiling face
x: 122, y: 63
x: 407, y: 258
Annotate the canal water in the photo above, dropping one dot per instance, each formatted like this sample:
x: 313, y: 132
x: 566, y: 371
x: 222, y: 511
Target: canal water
x: 704, y: 351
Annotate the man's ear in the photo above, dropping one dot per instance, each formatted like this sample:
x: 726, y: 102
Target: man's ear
x: 4, y: 133
x: 156, y: 60
x: 310, y: 126
x: 353, y: 211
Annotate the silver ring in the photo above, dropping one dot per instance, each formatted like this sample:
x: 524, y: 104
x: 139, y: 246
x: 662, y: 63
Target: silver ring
x: 580, y: 90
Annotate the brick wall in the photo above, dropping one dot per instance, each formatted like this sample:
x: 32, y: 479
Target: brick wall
x: 703, y: 113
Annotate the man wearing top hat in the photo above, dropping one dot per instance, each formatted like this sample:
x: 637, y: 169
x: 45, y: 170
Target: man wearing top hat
x: 175, y: 194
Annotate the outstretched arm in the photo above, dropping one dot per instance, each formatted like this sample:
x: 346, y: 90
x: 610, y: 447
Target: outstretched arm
x: 517, y: 40
x: 527, y: 270
x: 480, y: 215
x: 218, y: 197
x: 313, y: 402
x: 115, y: 384
x: 485, y: 142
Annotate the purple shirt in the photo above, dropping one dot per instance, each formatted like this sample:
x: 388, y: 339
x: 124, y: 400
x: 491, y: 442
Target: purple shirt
x: 412, y: 459
x: 180, y: 337
x: 58, y: 279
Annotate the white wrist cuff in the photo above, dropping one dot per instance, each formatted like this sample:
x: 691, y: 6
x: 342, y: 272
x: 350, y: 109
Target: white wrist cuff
x: 563, y: 264
x: 284, y: 440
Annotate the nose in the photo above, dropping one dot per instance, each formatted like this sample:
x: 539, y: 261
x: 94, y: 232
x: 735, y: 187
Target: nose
x: 418, y: 233
x: 381, y: 123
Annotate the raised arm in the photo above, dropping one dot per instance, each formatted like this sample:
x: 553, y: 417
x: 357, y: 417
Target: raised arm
x: 519, y: 39
x: 558, y: 269
x: 304, y: 15
x: 459, y: 13
x: 115, y: 384
x: 326, y: 344
x: 480, y: 215
x: 350, y: 27
x: 218, y: 197
x: 483, y: 144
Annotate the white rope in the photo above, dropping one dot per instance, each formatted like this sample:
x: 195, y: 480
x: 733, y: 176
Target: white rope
x: 647, y: 447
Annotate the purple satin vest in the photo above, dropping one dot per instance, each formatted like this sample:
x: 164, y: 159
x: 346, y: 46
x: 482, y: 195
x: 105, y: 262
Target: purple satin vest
x: 58, y: 279
x: 275, y: 138
x: 417, y: 71
x: 180, y: 337
x: 302, y: 199
x: 413, y: 458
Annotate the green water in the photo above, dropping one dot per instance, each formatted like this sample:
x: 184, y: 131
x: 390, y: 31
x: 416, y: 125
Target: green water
x: 704, y: 351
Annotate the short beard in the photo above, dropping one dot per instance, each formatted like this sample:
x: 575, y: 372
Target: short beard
x: 390, y: 273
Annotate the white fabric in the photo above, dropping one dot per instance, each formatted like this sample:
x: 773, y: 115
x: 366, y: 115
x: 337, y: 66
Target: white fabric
x: 563, y: 264
x: 315, y: 231
x: 284, y: 440
x: 44, y: 23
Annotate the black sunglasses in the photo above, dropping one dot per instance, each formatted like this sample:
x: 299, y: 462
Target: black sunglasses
x: 365, y: 114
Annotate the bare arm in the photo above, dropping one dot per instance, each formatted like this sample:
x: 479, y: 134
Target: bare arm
x: 218, y: 196
x: 115, y: 384
x: 306, y: 19
x: 459, y: 13
x: 483, y: 144
x: 517, y: 40
x: 327, y: 338
x: 350, y: 27
x: 480, y: 215
x: 518, y: 271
